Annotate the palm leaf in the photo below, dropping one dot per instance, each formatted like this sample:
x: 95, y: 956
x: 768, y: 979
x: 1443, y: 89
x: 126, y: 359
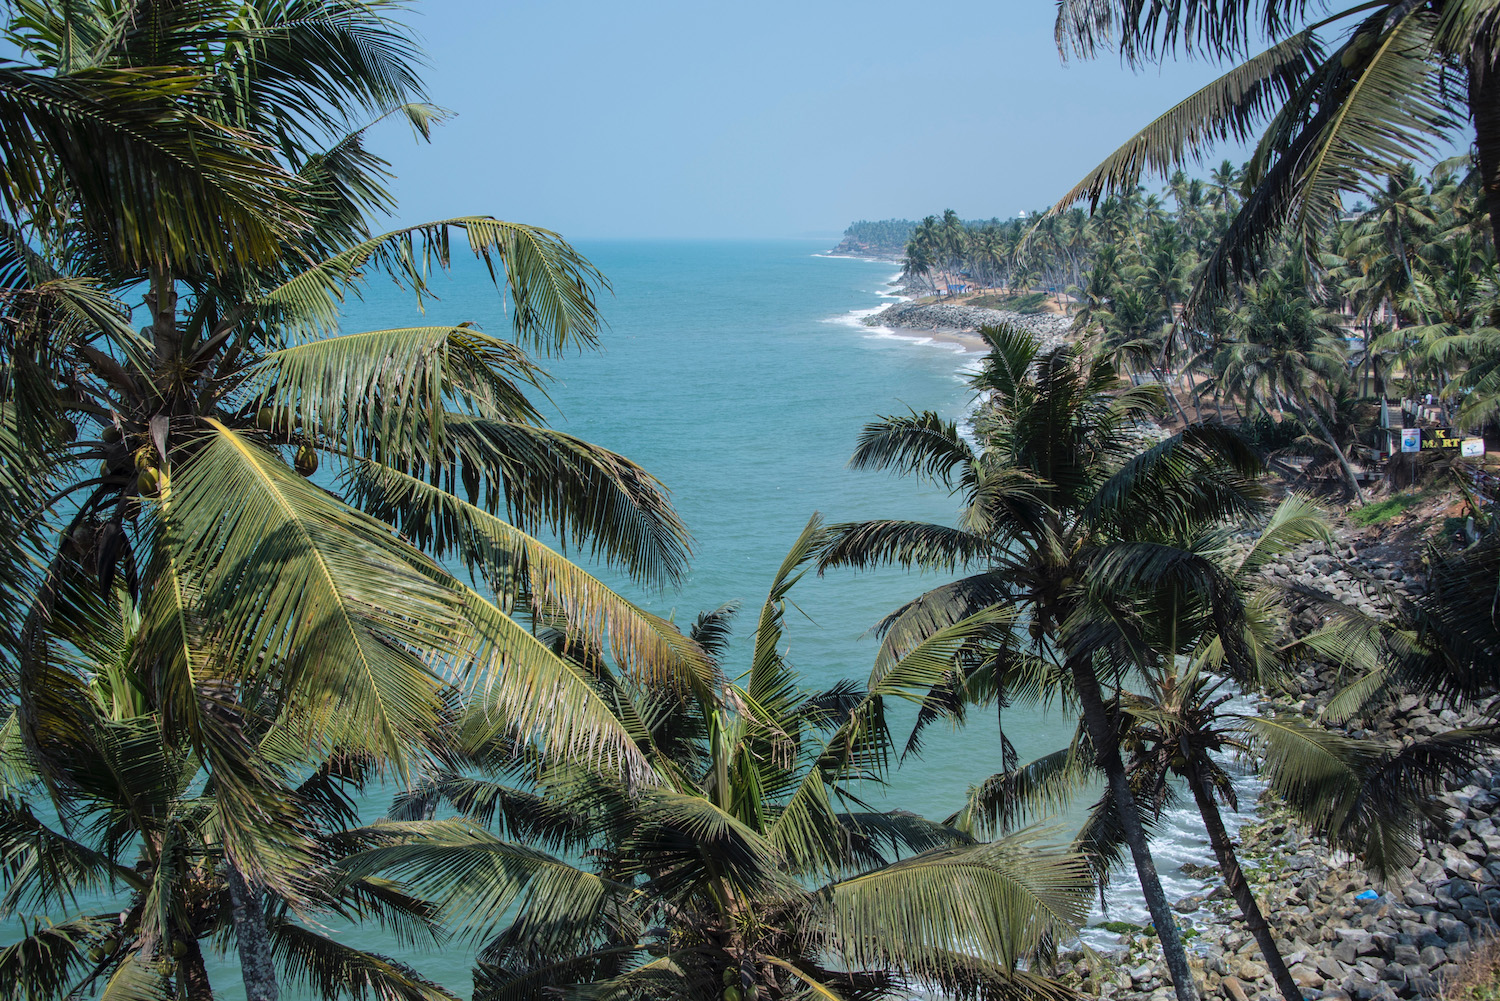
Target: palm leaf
x: 1037, y: 789
x: 475, y: 878
x: 332, y: 969
x: 154, y: 183
x: 552, y: 288
x: 999, y: 900
x: 1229, y: 108
x: 918, y: 443
x: 908, y: 544
x: 295, y: 580
x: 1296, y: 520
x: 595, y: 613
x: 46, y: 962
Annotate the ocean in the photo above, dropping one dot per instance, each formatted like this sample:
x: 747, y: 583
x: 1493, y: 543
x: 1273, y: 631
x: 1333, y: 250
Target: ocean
x: 739, y: 374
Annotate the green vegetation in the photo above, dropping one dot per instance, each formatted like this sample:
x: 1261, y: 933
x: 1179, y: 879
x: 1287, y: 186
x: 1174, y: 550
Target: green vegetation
x: 1031, y: 302
x: 211, y: 654
x: 888, y: 236
x: 1120, y: 927
x: 230, y: 530
x: 1373, y: 514
x: 754, y: 866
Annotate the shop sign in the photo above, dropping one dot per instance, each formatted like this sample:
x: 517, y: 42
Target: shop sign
x: 1436, y: 438
x: 1473, y: 448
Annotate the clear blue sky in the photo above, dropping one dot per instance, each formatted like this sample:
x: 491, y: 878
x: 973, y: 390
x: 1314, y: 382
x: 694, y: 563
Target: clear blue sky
x: 767, y: 119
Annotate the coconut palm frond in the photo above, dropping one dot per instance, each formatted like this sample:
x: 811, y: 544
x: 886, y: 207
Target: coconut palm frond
x: 49, y: 959
x: 1012, y: 353
x: 315, y: 62
x: 921, y: 444
x: 521, y: 686
x: 332, y: 969
x: 1391, y: 109
x: 1369, y: 117
x: 138, y: 979
x: 45, y: 868
x: 675, y: 831
x: 771, y: 686
x: 518, y: 814
x: 1147, y: 30
x: 920, y: 618
x: 1327, y: 779
x: 375, y: 389
x: 153, y: 182
x: 1296, y: 520
x: 1204, y: 474
x: 293, y: 579
x: 807, y: 832
x: 1459, y: 618
x: 592, y: 498
x: 1230, y: 108
x: 506, y: 555
x: 1037, y: 790
x: 1354, y: 697
x: 657, y: 978
x: 964, y: 977
x: 934, y: 659
x: 1398, y: 793
x: 885, y: 837
x: 1003, y: 897
x: 511, y: 978
x: 1101, y: 839
x: 474, y: 878
x: 409, y: 920
x: 867, y: 544
x: 552, y: 288
x: 711, y: 629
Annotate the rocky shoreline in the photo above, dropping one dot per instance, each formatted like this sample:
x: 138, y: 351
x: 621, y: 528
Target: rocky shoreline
x: 1051, y: 328
x: 1343, y: 936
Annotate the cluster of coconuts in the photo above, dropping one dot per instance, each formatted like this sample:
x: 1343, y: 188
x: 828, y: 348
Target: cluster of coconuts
x: 732, y: 990
x: 1132, y: 744
x: 268, y: 419
x: 103, y: 949
x: 149, y: 477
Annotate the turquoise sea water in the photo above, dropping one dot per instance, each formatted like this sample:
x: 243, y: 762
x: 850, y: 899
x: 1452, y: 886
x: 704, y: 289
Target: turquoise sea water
x: 737, y: 373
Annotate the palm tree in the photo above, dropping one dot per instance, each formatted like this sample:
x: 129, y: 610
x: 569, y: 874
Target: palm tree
x: 136, y: 838
x: 1326, y: 122
x: 1225, y: 179
x: 1289, y: 354
x: 180, y: 455
x: 747, y: 867
x: 1058, y: 499
x: 1178, y: 721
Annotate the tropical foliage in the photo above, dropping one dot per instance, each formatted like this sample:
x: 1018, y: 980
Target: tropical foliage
x: 750, y: 865
x: 1078, y: 535
x: 236, y: 515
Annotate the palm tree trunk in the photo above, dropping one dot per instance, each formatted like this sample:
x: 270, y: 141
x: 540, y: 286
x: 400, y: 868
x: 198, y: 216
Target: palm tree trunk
x: 254, y: 941
x: 194, y: 974
x: 1106, y: 745
x: 1349, y: 475
x: 1234, y: 878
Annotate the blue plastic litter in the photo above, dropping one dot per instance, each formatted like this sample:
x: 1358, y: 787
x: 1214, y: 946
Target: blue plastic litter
x: 1367, y: 895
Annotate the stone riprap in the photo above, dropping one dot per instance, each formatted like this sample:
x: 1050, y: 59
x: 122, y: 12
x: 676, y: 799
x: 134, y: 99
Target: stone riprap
x: 1050, y: 327
x: 1401, y: 942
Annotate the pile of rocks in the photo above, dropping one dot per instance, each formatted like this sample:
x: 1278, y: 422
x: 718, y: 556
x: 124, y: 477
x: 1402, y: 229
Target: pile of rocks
x: 1341, y: 936
x: 1050, y: 327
